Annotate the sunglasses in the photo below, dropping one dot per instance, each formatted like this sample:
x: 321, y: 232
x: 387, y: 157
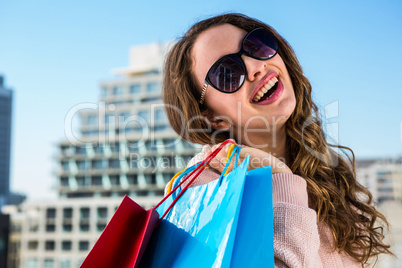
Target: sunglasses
x: 229, y: 72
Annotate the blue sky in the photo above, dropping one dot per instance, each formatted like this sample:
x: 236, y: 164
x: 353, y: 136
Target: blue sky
x: 55, y: 53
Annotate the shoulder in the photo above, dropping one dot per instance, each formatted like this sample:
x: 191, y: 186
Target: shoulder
x: 200, y: 156
x: 206, y: 176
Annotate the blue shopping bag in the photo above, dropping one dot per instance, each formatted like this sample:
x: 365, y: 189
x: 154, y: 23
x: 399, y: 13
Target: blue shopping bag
x: 225, y: 223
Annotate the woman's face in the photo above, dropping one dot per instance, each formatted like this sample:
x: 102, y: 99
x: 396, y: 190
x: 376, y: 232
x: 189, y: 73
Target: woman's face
x: 248, y: 116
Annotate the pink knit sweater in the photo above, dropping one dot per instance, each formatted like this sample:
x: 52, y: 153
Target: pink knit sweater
x: 299, y: 240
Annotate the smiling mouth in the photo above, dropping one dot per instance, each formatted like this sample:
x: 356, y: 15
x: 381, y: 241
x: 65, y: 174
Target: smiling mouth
x: 267, y: 90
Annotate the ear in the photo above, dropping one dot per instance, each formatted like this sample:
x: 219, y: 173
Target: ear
x: 216, y: 122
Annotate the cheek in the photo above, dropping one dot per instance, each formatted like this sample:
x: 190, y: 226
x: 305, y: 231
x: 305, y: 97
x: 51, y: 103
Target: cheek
x: 288, y: 106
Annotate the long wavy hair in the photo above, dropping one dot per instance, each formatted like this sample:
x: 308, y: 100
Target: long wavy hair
x: 334, y: 193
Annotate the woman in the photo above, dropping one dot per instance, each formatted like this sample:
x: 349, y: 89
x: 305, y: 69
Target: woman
x: 233, y: 77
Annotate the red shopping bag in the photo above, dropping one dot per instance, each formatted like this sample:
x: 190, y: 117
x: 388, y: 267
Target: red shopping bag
x: 125, y: 238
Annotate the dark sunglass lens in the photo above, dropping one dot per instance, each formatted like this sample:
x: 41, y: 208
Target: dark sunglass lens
x: 227, y: 74
x: 260, y: 44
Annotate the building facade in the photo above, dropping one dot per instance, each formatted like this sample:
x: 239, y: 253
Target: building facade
x: 383, y: 177
x: 125, y: 147
x: 6, y: 97
x: 61, y: 234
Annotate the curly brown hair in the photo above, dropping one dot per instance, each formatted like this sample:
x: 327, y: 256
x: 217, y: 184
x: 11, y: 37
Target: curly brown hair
x: 334, y: 193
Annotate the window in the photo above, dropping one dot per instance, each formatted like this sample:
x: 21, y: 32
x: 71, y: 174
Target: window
x: 80, y: 150
x: 114, y: 147
x: 104, y: 91
x: 83, y: 165
x: 151, y: 99
x: 135, y: 88
x: 50, y: 228
x: 102, y: 212
x: 161, y: 128
x: 65, y: 150
x: 170, y: 144
x: 99, y: 149
x: 167, y: 177
x: 33, y: 245
x: 82, y: 181
x: 92, y: 120
x: 160, y: 115
x: 49, y: 245
x: 64, y: 181
x: 123, y: 116
x: 84, y: 227
x: 16, y: 228
x: 110, y: 118
x: 15, y: 247
x: 144, y: 114
x: 132, y: 147
x: 99, y: 164
x: 97, y: 180
x: 150, y: 145
x: 106, y: 194
x: 65, y: 263
x: 51, y: 213
x: 114, y: 163
x: 142, y: 193
x: 170, y: 161
x: 132, y: 179
x: 150, y: 178
x: 118, y: 90
x: 119, y: 103
x: 83, y: 245
x: 33, y: 226
x: 159, y: 193
x: 67, y: 213
x: 187, y: 145
x: 114, y: 179
x: 48, y: 263
x: 66, y: 245
x: 67, y: 228
x: 84, y: 213
x: 32, y: 263
x: 65, y: 165
x: 100, y: 227
x: 148, y: 162
x: 153, y: 87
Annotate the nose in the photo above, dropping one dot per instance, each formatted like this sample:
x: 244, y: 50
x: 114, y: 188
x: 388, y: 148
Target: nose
x: 255, y: 68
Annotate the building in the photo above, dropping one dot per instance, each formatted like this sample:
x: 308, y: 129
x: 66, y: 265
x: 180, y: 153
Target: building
x: 6, y: 98
x: 125, y: 147
x: 62, y: 233
x: 383, y: 177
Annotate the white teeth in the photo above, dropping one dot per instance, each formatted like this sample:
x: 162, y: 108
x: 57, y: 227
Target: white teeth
x: 265, y: 89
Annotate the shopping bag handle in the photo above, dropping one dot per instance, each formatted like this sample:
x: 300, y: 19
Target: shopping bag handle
x: 184, y: 172
x: 201, y: 166
x: 182, y: 175
x: 233, y: 150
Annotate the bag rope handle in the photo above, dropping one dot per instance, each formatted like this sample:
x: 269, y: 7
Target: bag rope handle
x: 172, y: 181
x: 201, y: 166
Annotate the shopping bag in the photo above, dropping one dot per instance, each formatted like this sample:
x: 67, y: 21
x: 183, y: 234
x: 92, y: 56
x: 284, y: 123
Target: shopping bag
x: 207, y: 226
x: 125, y: 237
x: 254, y: 243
